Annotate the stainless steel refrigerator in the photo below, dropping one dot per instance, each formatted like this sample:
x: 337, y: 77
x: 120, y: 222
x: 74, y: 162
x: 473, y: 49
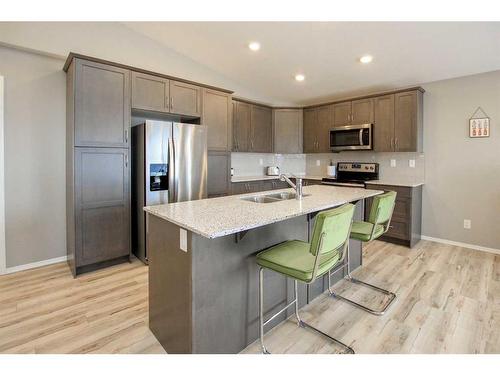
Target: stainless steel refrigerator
x: 169, y: 164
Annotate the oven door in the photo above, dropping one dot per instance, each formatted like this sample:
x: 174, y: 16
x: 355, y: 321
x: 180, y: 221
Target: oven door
x: 351, y: 137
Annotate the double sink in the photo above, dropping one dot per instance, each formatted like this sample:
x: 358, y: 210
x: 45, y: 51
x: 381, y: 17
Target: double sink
x: 270, y: 198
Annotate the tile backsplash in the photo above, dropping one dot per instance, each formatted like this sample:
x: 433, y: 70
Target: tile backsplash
x: 253, y: 164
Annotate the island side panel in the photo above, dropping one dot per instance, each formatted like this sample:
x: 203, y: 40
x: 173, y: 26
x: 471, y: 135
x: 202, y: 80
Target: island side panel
x: 225, y: 287
x: 355, y: 250
x: 170, y: 317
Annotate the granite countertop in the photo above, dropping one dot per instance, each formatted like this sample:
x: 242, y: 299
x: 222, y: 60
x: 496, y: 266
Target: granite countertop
x: 263, y: 178
x: 217, y: 217
x: 391, y: 182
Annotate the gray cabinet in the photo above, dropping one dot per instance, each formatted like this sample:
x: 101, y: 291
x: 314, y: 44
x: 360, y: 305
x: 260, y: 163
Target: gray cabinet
x: 406, y: 224
x: 342, y: 114
x: 218, y: 178
x: 383, y: 127
x: 185, y: 99
x: 246, y: 187
x: 101, y: 105
x: 97, y: 165
x: 310, y: 140
x: 362, y: 111
x: 287, y: 131
x: 241, y: 126
x: 102, y: 205
x: 150, y: 93
x: 155, y: 93
x: 325, y: 123
x: 217, y: 116
x: 261, y: 129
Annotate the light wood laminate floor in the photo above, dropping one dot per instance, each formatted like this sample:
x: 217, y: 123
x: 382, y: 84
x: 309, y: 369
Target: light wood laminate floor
x: 448, y: 302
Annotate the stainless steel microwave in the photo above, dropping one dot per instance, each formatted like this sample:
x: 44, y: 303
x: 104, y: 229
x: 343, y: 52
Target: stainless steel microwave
x: 351, y: 137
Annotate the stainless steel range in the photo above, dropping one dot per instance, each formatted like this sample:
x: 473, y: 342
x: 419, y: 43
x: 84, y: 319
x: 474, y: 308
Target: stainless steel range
x: 353, y: 174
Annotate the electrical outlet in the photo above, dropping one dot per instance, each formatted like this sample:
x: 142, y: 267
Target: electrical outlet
x: 393, y: 163
x: 318, y: 163
x: 467, y: 224
x: 411, y: 163
x: 261, y: 162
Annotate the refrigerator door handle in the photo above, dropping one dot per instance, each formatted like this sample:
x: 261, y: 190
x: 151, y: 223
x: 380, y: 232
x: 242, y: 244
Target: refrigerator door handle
x: 171, y: 171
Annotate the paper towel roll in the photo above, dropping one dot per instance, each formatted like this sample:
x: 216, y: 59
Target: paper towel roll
x: 330, y: 170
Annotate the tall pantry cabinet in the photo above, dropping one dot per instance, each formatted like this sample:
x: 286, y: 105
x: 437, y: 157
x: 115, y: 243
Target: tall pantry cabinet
x: 97, y: 165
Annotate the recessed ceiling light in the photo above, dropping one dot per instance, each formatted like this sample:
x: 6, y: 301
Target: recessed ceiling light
x: 254, y: 46
x: 366, y: 59
x: 300, y: 77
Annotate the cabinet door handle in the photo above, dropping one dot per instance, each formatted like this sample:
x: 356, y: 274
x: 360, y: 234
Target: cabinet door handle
x: 126, y: 135
x: 126, y: 160
x: 171, y: 102
x: 395, y: 144
x: 251, y: 143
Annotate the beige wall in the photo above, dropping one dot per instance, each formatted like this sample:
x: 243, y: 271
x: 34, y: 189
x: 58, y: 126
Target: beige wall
x: 462, y: 174
x: 35, y: 110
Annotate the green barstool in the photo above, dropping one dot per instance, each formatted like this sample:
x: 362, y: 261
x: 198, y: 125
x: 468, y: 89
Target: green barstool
x: 365, y: 231
x: 306, y: 262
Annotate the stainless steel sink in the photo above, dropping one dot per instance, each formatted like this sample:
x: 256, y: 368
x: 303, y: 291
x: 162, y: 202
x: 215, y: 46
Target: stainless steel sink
x: 270, y: 198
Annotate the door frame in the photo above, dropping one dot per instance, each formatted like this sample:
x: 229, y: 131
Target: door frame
x: 3, y: 253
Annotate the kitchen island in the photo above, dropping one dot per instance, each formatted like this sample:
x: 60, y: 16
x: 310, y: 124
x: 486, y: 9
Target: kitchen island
x: 203, y: 279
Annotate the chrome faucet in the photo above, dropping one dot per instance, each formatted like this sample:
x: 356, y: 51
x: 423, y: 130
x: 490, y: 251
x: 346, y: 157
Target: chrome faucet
x: 297, y: 186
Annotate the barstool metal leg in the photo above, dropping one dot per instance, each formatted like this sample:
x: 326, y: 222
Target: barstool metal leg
x: 261, y: 311
x: 348, y: 277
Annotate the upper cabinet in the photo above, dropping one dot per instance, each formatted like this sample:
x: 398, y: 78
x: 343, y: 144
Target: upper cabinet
x: 252, y: 128
x: 309, y: 135
x: 261, y: 129
x: 353, y: 112
x: 101, y: 105
x: 287, y: 131
x: 217, y: 114
x: 154, y: 93
x: 185, y: 99
x: 241, y: 126
x: 150, y: 93
x: 398, y: 125
x: 317, y: 124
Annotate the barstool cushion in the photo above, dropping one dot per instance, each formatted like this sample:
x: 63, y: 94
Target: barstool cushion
x: 293, y: 259
x: 362, y: 230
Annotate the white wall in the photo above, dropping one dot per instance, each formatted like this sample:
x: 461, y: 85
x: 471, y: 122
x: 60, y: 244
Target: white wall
x: 35, y: 110
x: 462, y: 174
x: 115, y: 42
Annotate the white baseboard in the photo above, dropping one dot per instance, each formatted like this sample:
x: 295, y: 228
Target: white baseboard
x: 462, y: 244
x: 24, y: 267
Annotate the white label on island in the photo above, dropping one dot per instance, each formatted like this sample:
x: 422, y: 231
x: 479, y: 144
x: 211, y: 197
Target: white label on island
x: 183, y: 242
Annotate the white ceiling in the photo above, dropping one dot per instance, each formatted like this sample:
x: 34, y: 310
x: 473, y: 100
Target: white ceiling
x: 327, y: 53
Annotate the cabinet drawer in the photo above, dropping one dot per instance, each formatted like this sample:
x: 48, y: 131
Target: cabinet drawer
x: 402, y: 191
x: 398, y: 229
x: 402, y: 209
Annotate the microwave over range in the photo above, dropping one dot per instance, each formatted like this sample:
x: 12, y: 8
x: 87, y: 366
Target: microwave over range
x: 351, y: 137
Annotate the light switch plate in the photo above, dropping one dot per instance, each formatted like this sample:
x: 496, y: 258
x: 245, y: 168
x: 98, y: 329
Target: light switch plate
x: 411, y: 163
x: 393, y: 163
x: 318, y: 163
x: 183, y: 241
x: 467, y: 224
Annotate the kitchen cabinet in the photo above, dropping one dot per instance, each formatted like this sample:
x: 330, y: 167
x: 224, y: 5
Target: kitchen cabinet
x: 398, y: 122
x: 185, y: 99
x: 362, y: 111
x: 241, y: 126
x: 408, y: 127
x: 150, y: 93
x: 155, y: 93
x: 406, y: 224
x: 310, y: 141
x: 217, y: 116
x: 246, y: 187
x: 354, y: 112
x: 287, y: 131
x: 102, y: 205
x: 261, y: 129
x: 325, y: 123
x: 218, y: 176
x: 101, y: 105
x: 252, y: 127
x: 383, y: 128
x: 342, y: 114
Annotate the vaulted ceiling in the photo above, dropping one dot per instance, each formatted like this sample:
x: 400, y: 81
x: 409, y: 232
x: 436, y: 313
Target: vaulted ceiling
x: 328, y: 53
